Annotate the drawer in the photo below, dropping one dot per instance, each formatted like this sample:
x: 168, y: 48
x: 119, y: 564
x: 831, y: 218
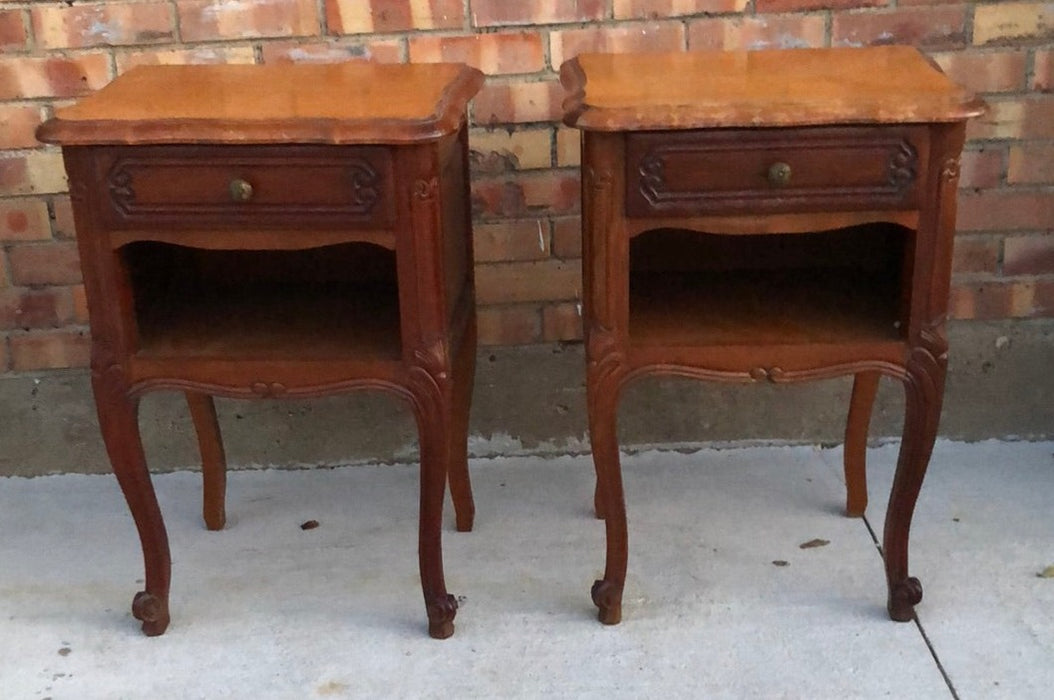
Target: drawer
x: 240, y: 187
x: 742, y: 171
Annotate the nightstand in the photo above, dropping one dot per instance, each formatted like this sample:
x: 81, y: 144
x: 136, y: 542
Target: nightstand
x: 277, y: 232
x: 770, y: 216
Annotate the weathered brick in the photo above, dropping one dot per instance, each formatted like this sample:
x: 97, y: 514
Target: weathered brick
x: 489, y: 13
x: 1043, y: 74
x: 126, y: 60
x: 1031, y: 163
x: 511, y: 240
x: 624, y: 38
x: 562, y: 322
x: 567, y: 237
x: 509, y: 325
x: 12, y: 30
x: 45, y: 263
x: 27, y: 309
x: 380, y: 16
x: 992, y: 300
x: 62, y: 223
x: 5, y: 280
x: 1029, y: 255
x: 80, y: 304
x: 656, y: 9
x: 209, y: 20
x: 1016, y: 118
x: 985, y: 71
x: 24, y: 220
x: 527, y: 194
x: 5, y: 355
x: 499, y: 150
x: 568, y: 147
x: 1009, y: 21
x: 493, y: 53
x: 798, y: 5
x: 49, y: 350
x: 18, y: 125
x: 518, y: 101
x: 521, y: 282
x: 984, y: 168
x: 333, y: 51
x: 975, y: 254
x: 62, y: 26
x: 928, y: 27
x: 24, y: 77
x: 35, y: 172
x: 1005, y: 210
x: 754, y: 33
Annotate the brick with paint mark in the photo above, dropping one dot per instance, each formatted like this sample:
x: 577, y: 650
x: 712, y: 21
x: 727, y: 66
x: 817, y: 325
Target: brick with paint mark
x: 926, y: 27
x: 126, y: 60
x: 757, y: 33
x: 61, y: 26
x: 208, y: 20
x: 1007, y: 21
x: 23, y: 219
x: 383, y: 51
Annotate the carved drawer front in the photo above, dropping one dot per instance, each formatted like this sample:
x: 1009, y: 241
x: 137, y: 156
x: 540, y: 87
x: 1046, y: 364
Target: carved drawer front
x: 742, y: 171
x: 232, y: 187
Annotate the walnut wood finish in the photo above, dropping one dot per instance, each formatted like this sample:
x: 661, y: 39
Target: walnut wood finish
x: 278, y: 231
x: 773, y: 216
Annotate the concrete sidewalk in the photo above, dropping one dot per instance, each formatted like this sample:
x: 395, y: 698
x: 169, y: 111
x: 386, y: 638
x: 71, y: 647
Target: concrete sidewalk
x: 265, y: 609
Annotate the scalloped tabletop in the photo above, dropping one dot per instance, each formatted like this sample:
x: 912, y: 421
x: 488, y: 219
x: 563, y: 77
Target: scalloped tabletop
x: 788, y: 87
x: 355, y: 102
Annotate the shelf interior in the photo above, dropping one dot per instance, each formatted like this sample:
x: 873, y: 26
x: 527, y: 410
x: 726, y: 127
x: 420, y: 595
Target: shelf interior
x: 699, y: 289
x: 337, y: 301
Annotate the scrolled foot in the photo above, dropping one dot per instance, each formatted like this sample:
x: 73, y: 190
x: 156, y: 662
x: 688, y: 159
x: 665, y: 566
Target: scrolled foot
x: 152, y: 612
x: 441, y: 612
x: 903, y: 597
x: 608, y: 597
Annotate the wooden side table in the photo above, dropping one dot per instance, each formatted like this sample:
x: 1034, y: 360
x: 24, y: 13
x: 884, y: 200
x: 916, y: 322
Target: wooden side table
x: 277, y: 231
x: 772, y: 216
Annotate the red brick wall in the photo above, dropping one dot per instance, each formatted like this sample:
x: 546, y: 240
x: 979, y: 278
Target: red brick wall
x: 525, y: 187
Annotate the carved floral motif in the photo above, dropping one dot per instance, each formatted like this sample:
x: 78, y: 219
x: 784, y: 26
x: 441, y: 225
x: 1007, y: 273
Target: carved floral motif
x: 903, y: 166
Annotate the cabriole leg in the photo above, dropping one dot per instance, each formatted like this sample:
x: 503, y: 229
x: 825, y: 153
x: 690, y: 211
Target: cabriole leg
x: 602, y: 396
x: 460, y: 483
x: 119, y: 422
x: 213, y: 459
x: 865, y: 386
x: 434, y: 408
x: 924, y: 390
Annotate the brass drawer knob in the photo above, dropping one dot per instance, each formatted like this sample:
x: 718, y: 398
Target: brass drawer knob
x: 240, y: 190
x: 779, y: 174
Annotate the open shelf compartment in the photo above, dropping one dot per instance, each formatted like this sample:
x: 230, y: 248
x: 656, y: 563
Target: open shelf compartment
x: 702, y: 289
x: 336, y: 301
